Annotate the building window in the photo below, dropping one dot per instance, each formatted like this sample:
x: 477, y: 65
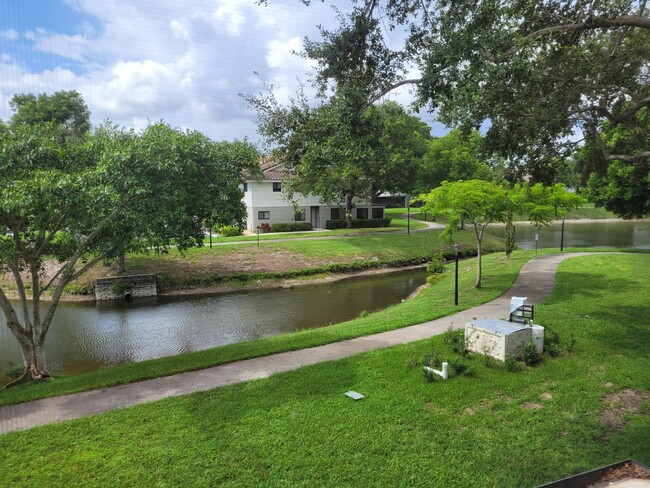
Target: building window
x: 263, y: 215
x: 362, y: 213
x: 336, y: 214
x: 245, y: 187
x: 378, y: 213
x: 301, y: 215
x: 277, y: 186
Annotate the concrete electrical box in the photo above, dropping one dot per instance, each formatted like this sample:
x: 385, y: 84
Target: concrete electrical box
x: 497, y: 338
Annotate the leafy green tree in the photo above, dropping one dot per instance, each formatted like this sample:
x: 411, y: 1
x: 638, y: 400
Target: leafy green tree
x: 622, y: 186
x: 339, y: 152
x: 66, y: 108
x: 538, y: 72
x: 477, y: 202
x: 456, y: 156
x: 80, y: 200
x: 538, y: 204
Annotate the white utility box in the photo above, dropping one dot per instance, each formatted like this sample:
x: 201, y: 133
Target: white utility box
x: 501, y: 339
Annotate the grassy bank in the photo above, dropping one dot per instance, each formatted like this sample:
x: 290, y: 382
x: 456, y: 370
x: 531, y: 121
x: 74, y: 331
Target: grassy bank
x: 200, y: 267
x: 583, y: 409
x: 499, y: 273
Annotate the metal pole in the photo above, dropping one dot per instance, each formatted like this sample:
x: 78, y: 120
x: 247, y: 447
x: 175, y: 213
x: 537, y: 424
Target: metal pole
x: 456, y: 285
x: 408, y: 218
x: 258, y: 236
x: 562, y: 237
x: 210, y: 232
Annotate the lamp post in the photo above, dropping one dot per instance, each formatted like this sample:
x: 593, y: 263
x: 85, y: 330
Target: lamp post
x: 258, y: 236
x: 456, y: 281
x: 562, y: 237
x: 408, y: 216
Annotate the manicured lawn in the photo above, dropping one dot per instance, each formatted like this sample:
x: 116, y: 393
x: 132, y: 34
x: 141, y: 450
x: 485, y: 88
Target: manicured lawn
x: 397, y: 224
x: 494, y: 428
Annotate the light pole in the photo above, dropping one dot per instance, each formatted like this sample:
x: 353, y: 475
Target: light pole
x: 456, y: 281
x: 562, y: 238
x: 408, y: 216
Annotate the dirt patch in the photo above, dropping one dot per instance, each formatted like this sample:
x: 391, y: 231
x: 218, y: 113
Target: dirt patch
x: 546, y: 396
x: 626, y: 401
x: 531, y: 406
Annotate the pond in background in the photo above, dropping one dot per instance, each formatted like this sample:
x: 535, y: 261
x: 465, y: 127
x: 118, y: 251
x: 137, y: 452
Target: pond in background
x: 631, y: 233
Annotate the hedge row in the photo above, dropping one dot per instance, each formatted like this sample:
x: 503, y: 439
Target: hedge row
x: 291, y: 227
x: 357, y: 223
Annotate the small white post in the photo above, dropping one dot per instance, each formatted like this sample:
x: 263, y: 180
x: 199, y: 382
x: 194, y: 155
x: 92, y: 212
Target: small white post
x: 444, y: 374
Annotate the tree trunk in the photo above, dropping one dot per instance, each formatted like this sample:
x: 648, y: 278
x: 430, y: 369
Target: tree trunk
x: 479, y: 253
x: 34, y: 359
x: 348, y: 210
x: 510, y: 234
x: 121, y: 263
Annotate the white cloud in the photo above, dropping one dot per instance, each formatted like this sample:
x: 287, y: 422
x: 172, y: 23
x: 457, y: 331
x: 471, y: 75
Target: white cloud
x: 185, y: 63
x: 67, y: 46
x: 232, y: 16
x: 9, y: 34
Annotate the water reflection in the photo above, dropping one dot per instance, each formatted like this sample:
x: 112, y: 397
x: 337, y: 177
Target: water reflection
x: 88, y: 336
x: 630, y: 234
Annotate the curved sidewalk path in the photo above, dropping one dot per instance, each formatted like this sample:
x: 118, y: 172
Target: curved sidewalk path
x: 535, y: 281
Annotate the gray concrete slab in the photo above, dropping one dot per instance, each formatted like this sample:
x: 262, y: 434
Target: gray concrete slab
x: 535, y: 281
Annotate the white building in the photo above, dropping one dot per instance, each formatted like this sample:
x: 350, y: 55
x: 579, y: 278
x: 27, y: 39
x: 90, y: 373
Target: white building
x: 265, y: 202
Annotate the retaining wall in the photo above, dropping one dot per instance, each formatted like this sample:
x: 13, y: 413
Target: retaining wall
x: 121, y: 287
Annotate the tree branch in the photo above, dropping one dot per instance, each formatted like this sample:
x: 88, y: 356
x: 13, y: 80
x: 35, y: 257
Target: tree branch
x: 388, y: 89
x: 591, y: 24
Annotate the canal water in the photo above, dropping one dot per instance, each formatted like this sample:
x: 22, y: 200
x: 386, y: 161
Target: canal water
x: 88, y: 336
x: 624, y: 234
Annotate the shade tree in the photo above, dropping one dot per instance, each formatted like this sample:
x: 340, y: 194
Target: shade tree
x: 71, y: 202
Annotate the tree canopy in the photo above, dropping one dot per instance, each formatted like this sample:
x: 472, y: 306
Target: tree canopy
x: 339, y: 153
x: 65, y: 108
x: 538, y: 72
x: 456, y: 156
x: 482, y: 203
x: 79, y: 200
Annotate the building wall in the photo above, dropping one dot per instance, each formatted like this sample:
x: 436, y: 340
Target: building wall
x: 260, y: 197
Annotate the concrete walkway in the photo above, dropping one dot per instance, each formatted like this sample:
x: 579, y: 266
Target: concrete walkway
x: 535, y: 281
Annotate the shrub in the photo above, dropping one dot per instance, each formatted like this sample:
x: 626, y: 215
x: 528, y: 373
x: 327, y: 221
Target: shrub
x: 229, y: 230
x: 431, y: 360
x: 292, y: 227
x: 512, y: 365
x: 459, y: 344
x: 357, y: 223
x: 437, y: 264
x: 461, y: 367
x: 530, y: 355
x: 553, y: 350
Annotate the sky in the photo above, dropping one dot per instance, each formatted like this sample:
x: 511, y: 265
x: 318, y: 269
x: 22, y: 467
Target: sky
x: 140, y: 61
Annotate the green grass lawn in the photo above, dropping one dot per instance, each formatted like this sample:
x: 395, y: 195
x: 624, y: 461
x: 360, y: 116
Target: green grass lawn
x: 397, y: 224
x: 584, y: 409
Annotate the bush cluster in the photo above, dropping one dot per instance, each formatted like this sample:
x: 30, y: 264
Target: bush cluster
x: 229, y: 230
x: 292, y: 227
x: 357, y: 223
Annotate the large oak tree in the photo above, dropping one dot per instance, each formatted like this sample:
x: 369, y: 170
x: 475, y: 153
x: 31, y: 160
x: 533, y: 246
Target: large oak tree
x: 539, y: 73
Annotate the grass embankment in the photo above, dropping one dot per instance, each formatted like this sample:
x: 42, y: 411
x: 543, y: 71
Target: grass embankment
x: 499, y: 273
x: 241, y: 264
x: 575, y: 412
